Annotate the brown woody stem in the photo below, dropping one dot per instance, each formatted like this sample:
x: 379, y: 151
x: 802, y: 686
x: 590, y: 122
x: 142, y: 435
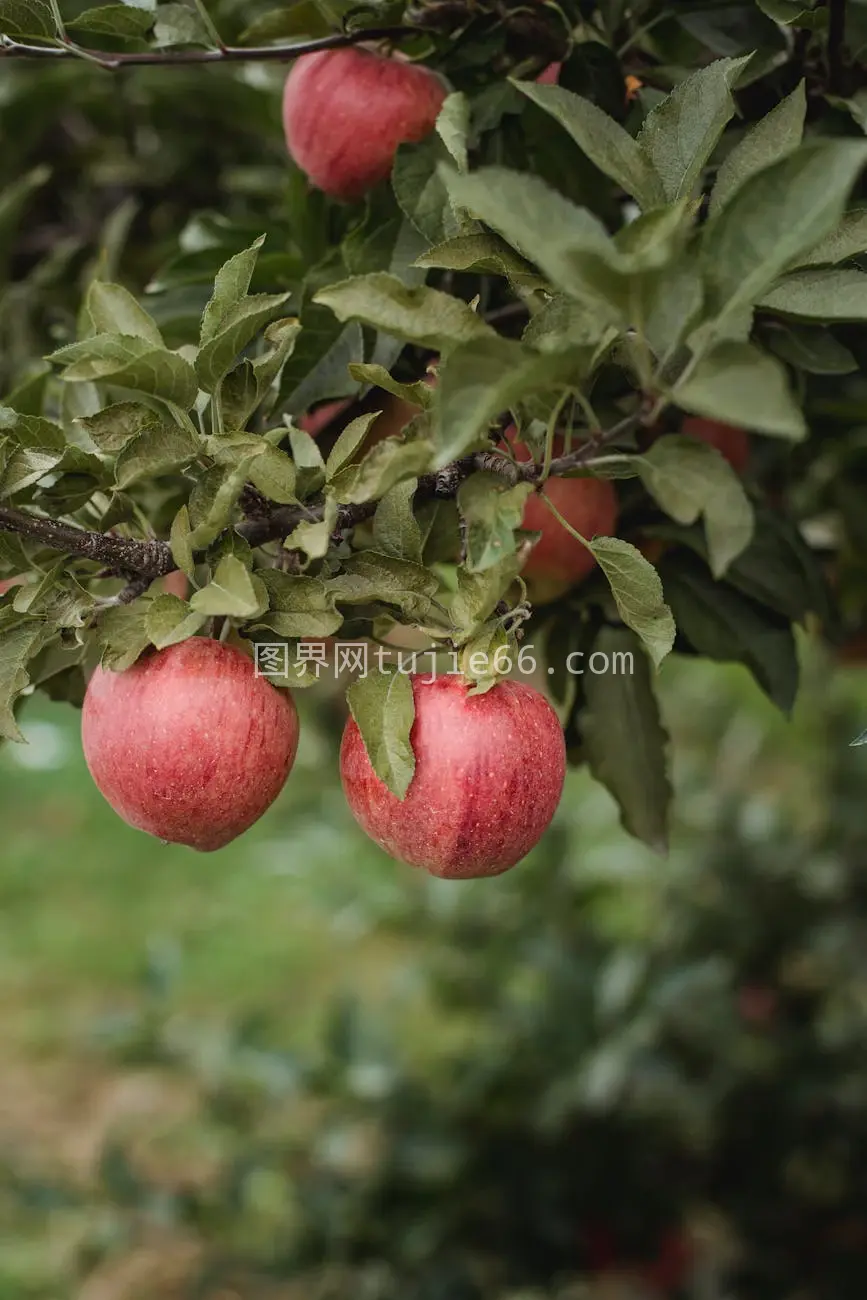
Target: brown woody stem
x: 153, y: 559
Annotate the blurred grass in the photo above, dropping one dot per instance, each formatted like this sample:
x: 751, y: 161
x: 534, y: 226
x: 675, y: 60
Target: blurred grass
x: 269, y: 925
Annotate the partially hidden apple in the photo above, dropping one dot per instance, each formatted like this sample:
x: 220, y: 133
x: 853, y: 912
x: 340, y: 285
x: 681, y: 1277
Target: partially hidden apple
x: 730, y: 441
x: 559, y: 560
x: 324, y: 414
x: 189, y: 744
x: 346, y: 111
x: 489, y: 773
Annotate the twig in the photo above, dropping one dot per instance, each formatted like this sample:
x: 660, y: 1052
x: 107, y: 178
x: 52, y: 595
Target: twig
x: 153, y: 559
x: 111, y: 62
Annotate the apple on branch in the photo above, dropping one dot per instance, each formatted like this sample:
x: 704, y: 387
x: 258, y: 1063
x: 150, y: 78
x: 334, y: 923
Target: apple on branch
x: 346, y: 111
x: 189, y: 744
x: 489, y: 772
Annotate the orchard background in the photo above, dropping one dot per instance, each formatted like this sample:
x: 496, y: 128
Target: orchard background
x: 626, y: 266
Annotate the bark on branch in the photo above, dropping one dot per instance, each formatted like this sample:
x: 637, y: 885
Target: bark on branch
x: 153, y: 559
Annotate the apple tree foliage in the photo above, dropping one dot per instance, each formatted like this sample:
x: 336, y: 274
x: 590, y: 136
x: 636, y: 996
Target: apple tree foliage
x: 678, y: 226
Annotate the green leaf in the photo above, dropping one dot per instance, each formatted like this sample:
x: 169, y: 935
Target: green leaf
x: 231, y: 284
x: 420, y: 190
x: 27, y: 18
x: 309, y: 465
x: 544, y: 227
x: 114, y: 426
x: 213, y: 500
x: 478, y: 594
x: 776, y: 216
x: 113, y: 310
x: 772, y: 138
x: 812, y: 348
x: 123, y: 634
x: 160, y: 448
x: 420, y: 315
x: 740, y: 385
x: 483, y: 378
x: 485, y: 254
x: 395, y: 528
x: 269, y: 469
x: 238, y: 327
x: 820, y: 295
x: 604, y: 141
x: 453, y: 127
x: 637, y: 593
x: 120, y: 20
x: 319, y: 365
x: 182, y: 551
x: 725, y: 625
x: 492, y: 512
x: 386, y: 464
x: 348, y: 443
x: 680, y: 134
x: 419, y: 394
x: 624, y: 738
x: 232, y: 592
x: 170, y: 620
x: 130, y: 362
x: 247, y: 386
x: 381, y: 704
x: 299, y: 606
x: 303, y: 18
x: 370, y: 576
x: 687, y: 478
x: 17, y: 646
x: 32, y: 431
x: 849, y: 239
x: 177, y: 24
x: 313, y: 536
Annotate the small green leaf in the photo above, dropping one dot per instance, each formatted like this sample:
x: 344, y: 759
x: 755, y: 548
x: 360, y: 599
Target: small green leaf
x: 492, y: 512
x: 420, y: 315
x: 128, y: 361
x: 309, y: 465
x: 299, y: 606
x: 120, y: 20
x: 638, y: 594
x: 232, y: 592
x: 687, y: 478
x: 114, y: 426
x: 348, y: 443
x: 773, y: 137
x: 213, y: 500
x: 161, y: 448
x: 238, y: 327
x: 27, y: 18
x: 113, y: 310
x: 370, y: 576
x: 453, y: 127
x: 418, y: 394
x: 231, y: 285
x: 313, y: 536
x: 381, y: 704
x: 123, y: 634
x: 395, y: 528
x: 604, y: 141
x: 386, y: 464
x: 738, y: 384
x: 624, y: 738
x: 820, y: 295
x: 182, y: 551
x: 17, y: 646
x: 680, y: 134
x: 170, y: 620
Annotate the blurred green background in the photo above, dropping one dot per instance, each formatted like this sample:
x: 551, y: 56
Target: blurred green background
x: 296, y: 1068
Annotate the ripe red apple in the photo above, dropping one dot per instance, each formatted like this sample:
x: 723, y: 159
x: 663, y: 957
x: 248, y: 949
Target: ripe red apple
x: 176, y: 584
x: 6, y: 584
x: 488, y: 777
x: 730, y: 441
x: 346, y: 111
x: 317, y: 421
x: 189, y: 744
x: 559, y: 560
x: 549, y: 76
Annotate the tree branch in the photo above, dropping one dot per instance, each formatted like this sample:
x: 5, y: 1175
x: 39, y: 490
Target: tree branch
x: 153, y: 559
x: 111, y: 62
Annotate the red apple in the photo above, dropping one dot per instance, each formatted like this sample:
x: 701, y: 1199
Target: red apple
x: 317, y: 421
x: 549, y: 76
x: 730, y: 441
x: 559, y: 560
x: 346, y: 111
x: 6, y: 584
x: 189, y: 744
x: 488, y: 777
x: 176, y: 584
